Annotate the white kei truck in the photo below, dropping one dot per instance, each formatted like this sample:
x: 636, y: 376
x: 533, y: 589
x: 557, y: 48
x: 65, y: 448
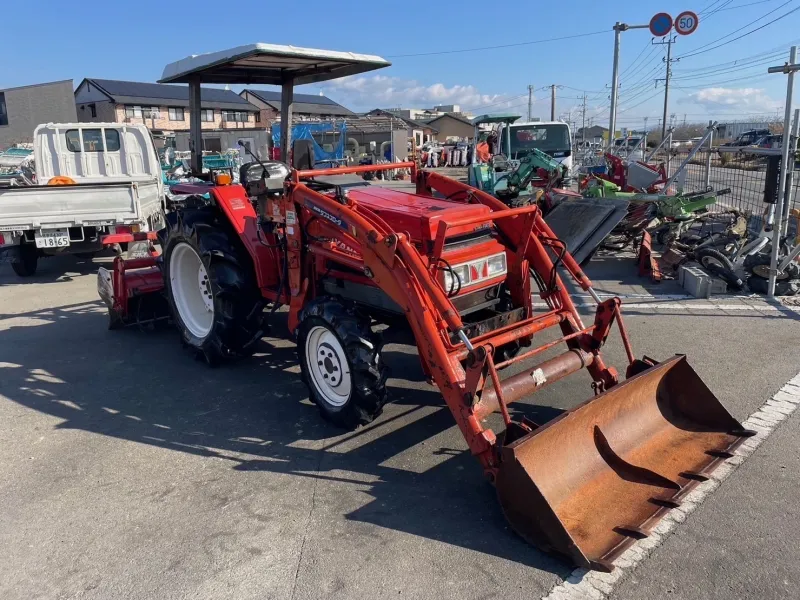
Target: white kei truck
x: 92, y: 179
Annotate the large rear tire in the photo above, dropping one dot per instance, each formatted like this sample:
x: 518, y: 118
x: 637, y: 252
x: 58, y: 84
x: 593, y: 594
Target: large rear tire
x: 28, y: 261
x: 211, y: 287
x: 340, y: 361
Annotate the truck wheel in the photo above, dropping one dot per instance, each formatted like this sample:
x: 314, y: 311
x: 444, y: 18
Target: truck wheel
x: 716, y: 263
x: 340, y: 360
x: 28, y: 261
x: 211, y: 288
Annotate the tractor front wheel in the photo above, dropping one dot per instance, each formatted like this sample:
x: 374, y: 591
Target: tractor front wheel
x: 340, y: 360
x: 211, y: 288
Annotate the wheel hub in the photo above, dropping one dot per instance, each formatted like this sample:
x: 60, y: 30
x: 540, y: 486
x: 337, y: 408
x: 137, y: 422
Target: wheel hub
x: 205, y: 288
x: 763, y: 272
x: 328, y: 368
x: 331, y: 367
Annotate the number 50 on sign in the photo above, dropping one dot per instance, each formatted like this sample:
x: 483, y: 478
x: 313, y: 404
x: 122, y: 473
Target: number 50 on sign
x: 686, y: 22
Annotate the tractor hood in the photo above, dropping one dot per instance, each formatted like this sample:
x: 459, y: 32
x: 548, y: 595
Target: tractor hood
x: 418, y: 215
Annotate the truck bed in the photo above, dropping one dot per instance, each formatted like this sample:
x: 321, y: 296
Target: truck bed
x: 112, y: 203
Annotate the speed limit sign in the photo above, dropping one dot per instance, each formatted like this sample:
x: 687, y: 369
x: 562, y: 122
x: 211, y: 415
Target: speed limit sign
x: 686, y: 22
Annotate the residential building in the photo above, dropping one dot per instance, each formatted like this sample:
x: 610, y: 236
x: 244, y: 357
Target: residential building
x: 162, y: 107
x: 304, y: 106
x: 419, y: 132
x: 426, y: 114
x: 23, y: 108
x: 591, y: 133
x: 452, y: 126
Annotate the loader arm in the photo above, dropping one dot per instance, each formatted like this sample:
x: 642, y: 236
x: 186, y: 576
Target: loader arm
x: 462, y: 370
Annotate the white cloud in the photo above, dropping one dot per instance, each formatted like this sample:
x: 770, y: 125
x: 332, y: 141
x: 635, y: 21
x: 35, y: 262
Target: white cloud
x: 380, y: 91
x: 744, y: 99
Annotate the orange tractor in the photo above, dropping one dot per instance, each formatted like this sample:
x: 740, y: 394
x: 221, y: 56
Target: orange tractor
x: 456, y: 267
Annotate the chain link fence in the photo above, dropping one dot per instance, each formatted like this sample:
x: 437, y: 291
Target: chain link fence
x: 745, y: 176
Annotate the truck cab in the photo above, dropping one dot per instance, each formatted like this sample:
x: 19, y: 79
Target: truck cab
x: 551, y: 137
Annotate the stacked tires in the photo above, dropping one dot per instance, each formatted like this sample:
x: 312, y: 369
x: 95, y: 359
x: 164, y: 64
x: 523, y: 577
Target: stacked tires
x: 786, y: 284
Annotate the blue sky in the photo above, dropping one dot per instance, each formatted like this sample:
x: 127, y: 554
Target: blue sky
x: 56, y: 39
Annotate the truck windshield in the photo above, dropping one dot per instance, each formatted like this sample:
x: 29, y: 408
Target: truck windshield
x: 552, y: 139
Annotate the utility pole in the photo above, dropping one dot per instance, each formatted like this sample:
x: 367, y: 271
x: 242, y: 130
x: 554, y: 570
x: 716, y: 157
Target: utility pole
x: 668, y: 74
x: 553, y: 102
x: 530, y: 102
x: 645, y: 136
x: 583, y: 119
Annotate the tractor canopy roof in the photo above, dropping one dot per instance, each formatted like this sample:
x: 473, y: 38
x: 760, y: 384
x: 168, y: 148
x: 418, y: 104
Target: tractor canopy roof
x: 270, y: 64
x: 498, y: 118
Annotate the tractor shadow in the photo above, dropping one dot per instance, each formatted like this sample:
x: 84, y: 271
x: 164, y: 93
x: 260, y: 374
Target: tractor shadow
x: 56, y: 269
x: 255, y: 414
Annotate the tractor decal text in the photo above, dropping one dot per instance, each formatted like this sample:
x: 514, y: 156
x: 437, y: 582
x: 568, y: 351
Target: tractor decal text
x: 326, y: 215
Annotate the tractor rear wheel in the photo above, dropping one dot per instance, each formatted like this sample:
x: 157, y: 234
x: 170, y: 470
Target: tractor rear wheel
x: 211, y: 287
x: 340, y: 360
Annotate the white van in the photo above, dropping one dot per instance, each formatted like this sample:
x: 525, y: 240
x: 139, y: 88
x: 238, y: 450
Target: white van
x: 551, y: 137
x: 92, y: 179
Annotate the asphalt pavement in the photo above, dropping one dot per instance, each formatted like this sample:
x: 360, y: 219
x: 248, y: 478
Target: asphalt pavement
x: 132, y: 471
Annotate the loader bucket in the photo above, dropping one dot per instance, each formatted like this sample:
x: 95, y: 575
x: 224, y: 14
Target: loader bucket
x: 590, y: 483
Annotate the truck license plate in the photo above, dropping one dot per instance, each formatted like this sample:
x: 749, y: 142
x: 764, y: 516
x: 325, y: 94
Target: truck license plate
x: 52, y: 238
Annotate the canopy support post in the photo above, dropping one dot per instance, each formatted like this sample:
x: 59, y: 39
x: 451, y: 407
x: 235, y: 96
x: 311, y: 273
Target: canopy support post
x: 195, y: 127
x: 287, y: 99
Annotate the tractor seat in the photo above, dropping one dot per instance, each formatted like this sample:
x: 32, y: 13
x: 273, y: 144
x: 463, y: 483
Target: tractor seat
x: 345, y: 181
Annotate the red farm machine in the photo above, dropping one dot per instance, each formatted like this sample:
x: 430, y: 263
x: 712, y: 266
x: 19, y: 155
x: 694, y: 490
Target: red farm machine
x: 456, y: 267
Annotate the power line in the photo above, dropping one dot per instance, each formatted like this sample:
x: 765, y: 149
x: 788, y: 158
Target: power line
x: 585, y: 91
x: 635, y: 60
x: 556, y: 39
x: 713, y: 83
x: 499, y: 102
x: 708, y: 7
x: 716, y: 10
x: 729, y: 70
x: 772, y: 54
x: 699, y: 51
x: 744, y: 5
x: 658, y: 93
x: 652, y: 55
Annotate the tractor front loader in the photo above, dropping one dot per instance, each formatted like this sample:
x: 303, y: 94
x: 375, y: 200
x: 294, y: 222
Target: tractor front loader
x: 456, y: 267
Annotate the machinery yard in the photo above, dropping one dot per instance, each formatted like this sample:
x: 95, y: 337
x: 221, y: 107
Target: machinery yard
x: 255, y: 344
x: 228, y: 485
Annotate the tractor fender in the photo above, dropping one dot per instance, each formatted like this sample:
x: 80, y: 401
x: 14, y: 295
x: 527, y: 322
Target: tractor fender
x: 234, y: 204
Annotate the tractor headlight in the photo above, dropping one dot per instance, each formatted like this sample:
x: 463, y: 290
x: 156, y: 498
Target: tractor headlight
x: 461, y: 272
x: 473, y: 272
x: 497, y: 265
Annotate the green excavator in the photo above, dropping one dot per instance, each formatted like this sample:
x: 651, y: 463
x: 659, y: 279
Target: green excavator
x: 514, y: 182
